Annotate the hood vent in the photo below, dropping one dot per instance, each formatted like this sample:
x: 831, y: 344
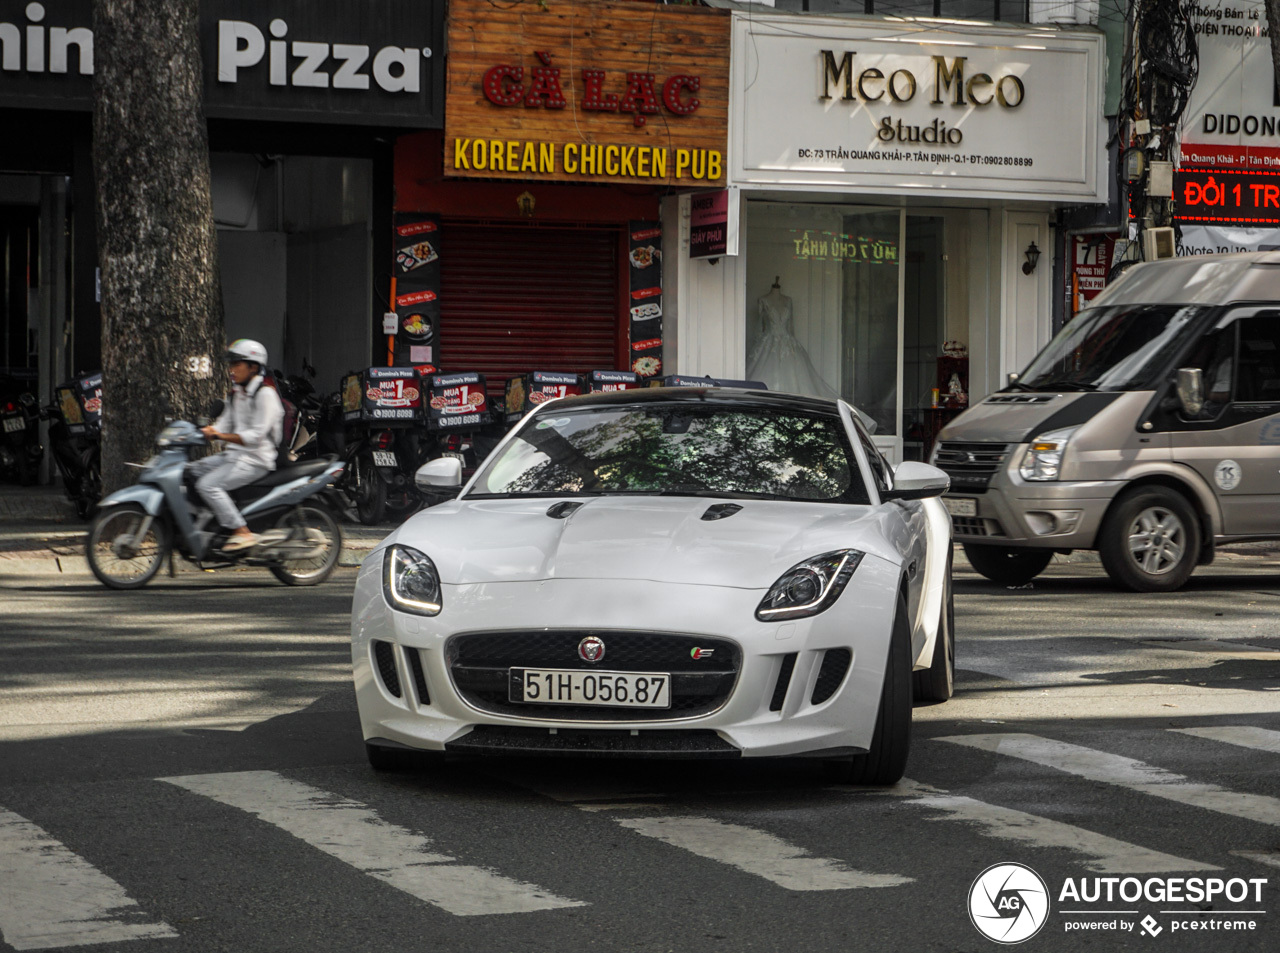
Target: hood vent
x: 1020, y: 399
x: 720, y: 511
x: 563, y: 510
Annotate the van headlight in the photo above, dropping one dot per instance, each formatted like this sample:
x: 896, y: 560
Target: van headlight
x: 1043, y: 460
x: 410, y: 581
x: 809, y: 587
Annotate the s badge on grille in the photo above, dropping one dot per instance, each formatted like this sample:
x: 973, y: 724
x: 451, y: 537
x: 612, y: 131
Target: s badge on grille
x: 701, y: 653
x: 591, y: 649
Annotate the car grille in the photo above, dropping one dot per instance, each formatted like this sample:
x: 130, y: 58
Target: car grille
x: 479, y: 664
x: 594, y: 742
x: 970, y: 465
x: 975, y: 526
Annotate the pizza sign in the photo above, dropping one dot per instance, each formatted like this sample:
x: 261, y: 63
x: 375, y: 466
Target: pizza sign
x: 457, y: 400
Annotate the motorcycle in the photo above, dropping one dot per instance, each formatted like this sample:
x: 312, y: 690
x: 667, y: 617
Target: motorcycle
x: 77, y: 453
x: 20, y: 449
x: 138, y: 527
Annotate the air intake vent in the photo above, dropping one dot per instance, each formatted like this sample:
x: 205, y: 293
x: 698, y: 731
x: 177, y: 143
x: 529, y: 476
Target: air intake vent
x: 1020, y: 399
x: 564, y: 509
x: 719, y: 511
x: 784, y: 679
x: 835, y: 663
x: 385, y: 654
x: 419, y: 678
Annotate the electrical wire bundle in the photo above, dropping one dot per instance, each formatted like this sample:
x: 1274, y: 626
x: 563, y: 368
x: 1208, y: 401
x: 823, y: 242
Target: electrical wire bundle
x: 1161, y: 64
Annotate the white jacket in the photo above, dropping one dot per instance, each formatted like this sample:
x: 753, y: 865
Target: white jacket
x: 256, y: 414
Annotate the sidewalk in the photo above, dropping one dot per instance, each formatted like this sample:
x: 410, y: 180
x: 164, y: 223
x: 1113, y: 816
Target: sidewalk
x: 41, y: 534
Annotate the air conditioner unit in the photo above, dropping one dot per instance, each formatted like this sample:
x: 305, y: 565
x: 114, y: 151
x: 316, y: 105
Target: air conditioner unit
x: 1158, y: 243
x: 1064, y: 11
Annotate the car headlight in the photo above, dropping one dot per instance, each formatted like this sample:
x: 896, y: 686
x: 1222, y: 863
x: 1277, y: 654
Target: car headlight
x: 809, y: 587
x: 410, y: 581
x: 1043, y: 461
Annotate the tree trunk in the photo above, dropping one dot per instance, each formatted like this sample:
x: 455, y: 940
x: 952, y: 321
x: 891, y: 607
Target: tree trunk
x: 162, y: 331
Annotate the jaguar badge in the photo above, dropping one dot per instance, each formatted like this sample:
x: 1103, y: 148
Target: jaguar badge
x: 591, y: 649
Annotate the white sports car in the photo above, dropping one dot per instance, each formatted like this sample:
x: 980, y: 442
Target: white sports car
x: 669, y: 572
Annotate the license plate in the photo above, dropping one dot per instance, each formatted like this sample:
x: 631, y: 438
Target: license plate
x: 555, y: 686
x: 960, y: 507
x: 13, y: 424
x: 452, y: 455
x: 384, y: 458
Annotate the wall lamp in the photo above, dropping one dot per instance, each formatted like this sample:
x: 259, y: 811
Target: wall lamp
x: 1033, y: 256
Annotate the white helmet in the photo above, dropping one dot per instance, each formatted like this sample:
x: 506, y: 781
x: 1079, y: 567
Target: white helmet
x: 246, y: 350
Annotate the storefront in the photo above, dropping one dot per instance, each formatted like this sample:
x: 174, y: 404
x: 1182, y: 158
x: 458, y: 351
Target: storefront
x: 303, y: 99
x: 894, y: 183
x: 539, y: 205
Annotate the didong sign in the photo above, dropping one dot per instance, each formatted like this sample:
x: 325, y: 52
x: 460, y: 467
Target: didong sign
x: 903, y: 105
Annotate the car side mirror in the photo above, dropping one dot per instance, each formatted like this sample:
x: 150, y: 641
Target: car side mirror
x: 1012, y: 378
x: 1191, y: 390
x: 913, y: 480
x: 442, y: 472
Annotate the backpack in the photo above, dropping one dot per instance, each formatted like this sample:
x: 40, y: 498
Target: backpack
x: 288, y: 425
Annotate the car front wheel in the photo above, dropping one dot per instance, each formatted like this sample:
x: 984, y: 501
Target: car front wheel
x: 1007, y: 565
x: 886, y: 759
x: 937, y: 682
x: 1150, y: 541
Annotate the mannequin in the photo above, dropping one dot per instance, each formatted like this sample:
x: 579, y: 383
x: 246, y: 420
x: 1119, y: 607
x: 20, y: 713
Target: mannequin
x: 778, y: 358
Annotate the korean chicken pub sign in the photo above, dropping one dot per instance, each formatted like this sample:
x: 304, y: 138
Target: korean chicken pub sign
x: 547, y: 92
x: 361, y: 62
x: 996, y: 111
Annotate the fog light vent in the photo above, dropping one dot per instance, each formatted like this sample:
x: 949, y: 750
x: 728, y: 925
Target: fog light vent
x: 835, y: 663
x: 419, y: 677
x: 385, y: 654
x: 784, y: 679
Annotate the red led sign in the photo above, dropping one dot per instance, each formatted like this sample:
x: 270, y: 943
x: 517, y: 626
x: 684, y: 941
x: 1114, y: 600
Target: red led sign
x: 1227, y: 195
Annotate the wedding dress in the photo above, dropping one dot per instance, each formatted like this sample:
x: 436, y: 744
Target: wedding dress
x: 779, y: 359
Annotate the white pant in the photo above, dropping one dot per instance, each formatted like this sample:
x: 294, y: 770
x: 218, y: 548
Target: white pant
x: 219, y: 473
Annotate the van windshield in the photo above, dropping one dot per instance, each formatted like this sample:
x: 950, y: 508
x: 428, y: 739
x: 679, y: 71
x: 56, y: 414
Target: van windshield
x: 1116, y: 348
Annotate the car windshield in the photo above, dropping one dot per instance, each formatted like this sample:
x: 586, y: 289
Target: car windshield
x: 1116, y: 348
x: 676, y: 449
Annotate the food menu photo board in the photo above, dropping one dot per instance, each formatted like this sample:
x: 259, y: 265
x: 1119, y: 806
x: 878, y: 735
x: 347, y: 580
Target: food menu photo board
x: 605, y: 381
x: 644, y: 261
x: 456, y: 401
x: 388, y: 395
x: 416, y: 268
x: 529, y: 390
x: 80, y: 402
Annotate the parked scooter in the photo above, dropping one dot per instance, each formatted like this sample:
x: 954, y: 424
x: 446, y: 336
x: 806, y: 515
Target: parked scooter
x: 77, y: 453
x: 138, y: 527
x: 20, y: 449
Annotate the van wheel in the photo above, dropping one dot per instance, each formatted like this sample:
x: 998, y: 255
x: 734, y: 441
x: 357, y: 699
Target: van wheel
x: 1150, y: 541
x: 1007, y: 565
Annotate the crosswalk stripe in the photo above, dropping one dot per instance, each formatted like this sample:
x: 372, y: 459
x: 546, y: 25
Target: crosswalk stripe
x: 1246, y: 736
x: 353, y: 833
x: 1125, y: 772
x: 1106, y: 854
x: 757, y: 852
x: 50, y: 897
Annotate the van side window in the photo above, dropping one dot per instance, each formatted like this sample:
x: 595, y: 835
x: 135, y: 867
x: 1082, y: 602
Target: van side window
x: 1258, y: 363
x: 1215, y: 356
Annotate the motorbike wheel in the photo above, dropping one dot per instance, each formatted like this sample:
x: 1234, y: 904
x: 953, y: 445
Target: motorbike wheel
x: 90, y: 489
x: 119, y: 561
x: 370, y: 492
x: 314, y: 533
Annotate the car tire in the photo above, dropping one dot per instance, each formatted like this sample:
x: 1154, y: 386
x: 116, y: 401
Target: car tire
x: 1150, y: 540
x: 1007, y: 565
x: 886, y: 758
x: 937, y: 682
x: 387, y: 760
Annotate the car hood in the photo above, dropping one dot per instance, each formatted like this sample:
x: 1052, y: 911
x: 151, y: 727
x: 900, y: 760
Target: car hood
x: 1018, y: 417
x: 663, y: 539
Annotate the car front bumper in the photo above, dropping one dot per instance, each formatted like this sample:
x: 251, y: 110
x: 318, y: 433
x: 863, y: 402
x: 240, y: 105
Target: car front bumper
x: 861, y: 621
x: 1050, y: 515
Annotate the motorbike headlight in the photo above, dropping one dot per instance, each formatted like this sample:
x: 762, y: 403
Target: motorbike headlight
x: 809, y: 587
x: 410, y: 581
x: 170, y: 435
x: 1043, y: 461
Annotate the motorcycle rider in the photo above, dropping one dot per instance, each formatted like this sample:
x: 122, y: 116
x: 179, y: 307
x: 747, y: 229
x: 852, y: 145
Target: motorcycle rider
x: 250, y: 424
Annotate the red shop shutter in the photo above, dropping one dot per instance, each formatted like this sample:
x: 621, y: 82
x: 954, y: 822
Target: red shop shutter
x: 527, y: 299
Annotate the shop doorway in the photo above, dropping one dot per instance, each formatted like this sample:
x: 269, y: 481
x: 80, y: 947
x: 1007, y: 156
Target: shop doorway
x: 868, y: 304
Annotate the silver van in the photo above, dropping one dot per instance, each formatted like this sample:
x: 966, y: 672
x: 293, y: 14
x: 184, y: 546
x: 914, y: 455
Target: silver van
x: 1148, y: 429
